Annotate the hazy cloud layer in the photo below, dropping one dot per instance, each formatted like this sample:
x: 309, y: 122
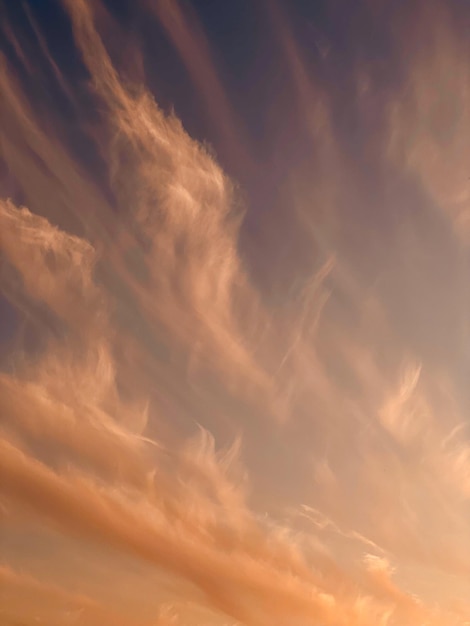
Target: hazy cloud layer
x: 225, y: 452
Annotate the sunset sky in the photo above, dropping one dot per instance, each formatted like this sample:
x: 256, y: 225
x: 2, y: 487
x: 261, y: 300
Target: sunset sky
x: 234, y: 312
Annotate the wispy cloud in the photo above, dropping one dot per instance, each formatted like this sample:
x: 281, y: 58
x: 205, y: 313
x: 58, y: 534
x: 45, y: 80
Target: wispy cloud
x: 301, y: 463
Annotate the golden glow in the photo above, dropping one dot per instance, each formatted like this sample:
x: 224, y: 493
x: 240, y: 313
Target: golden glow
x: 177, y: 448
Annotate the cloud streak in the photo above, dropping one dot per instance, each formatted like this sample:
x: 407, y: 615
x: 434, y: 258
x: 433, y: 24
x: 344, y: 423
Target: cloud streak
x: 300, y: 463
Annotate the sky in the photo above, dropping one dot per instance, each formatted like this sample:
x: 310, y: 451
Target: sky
x: 234, y: 313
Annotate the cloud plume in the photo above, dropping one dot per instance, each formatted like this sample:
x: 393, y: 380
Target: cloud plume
x: 228, y: 451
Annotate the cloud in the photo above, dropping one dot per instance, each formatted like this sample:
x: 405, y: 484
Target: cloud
x: 57, y: 605
x: 188, y: 37
x: 428, y: 124
x: 154, y: 326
